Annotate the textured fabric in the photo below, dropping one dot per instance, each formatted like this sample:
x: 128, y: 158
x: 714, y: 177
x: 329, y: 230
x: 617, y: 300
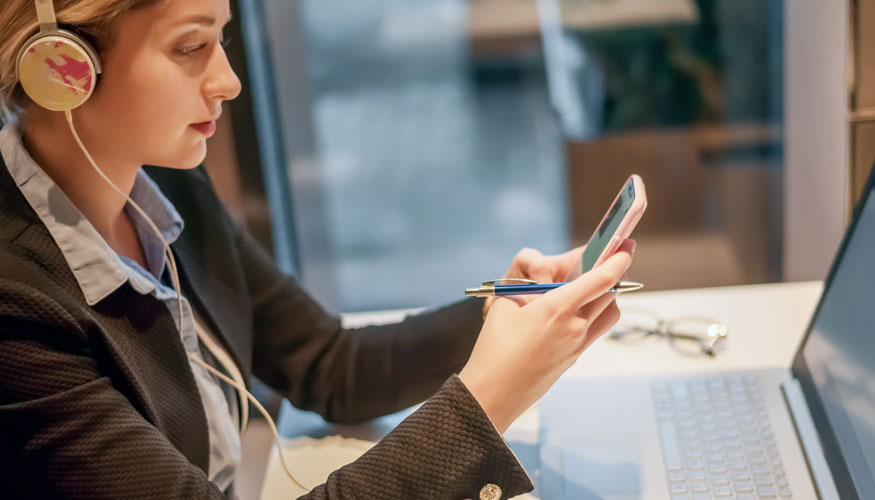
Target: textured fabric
x: 446, y: 440
x: 101, y: 402
x: 99, y: 270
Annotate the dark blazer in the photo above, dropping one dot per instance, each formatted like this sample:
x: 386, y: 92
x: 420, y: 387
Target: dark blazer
x: 101, y: 402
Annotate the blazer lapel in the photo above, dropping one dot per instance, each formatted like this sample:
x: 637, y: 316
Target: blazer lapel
x: 150, y: 366
x: 206, y: 255
x: 226, y: 311
x: 15, y: 213
x: 141, y: 335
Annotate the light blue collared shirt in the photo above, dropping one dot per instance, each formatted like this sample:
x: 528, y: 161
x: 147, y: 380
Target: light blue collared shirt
x: 99, y: 270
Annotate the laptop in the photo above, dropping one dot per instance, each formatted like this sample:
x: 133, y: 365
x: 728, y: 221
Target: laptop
x: 806, y: 431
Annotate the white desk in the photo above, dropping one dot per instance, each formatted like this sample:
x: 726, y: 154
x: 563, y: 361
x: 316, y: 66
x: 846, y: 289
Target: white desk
x: 766, y: 323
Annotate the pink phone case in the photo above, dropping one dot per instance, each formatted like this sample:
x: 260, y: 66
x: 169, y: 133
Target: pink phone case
x: 629, y: 221
x: 624, y: 230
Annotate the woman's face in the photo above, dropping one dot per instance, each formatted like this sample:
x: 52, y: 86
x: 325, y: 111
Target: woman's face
x: 164, y: 78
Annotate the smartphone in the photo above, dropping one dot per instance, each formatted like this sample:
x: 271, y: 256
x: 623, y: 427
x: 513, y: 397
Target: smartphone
x: 615, y: 226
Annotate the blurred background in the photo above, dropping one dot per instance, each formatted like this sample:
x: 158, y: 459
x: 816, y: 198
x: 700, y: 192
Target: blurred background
x: 391, y: 153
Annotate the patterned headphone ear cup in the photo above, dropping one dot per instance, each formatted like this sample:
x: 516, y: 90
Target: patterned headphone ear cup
x: 57, y: 72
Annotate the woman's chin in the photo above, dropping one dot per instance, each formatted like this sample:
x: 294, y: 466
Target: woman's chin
x: 191, y: 159
x: 188, y: 154
x: 181, y: 164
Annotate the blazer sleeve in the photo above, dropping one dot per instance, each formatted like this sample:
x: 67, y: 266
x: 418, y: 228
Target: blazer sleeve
x: 446, y: 449
x: 348, y: 375
x: 68, y: 433
x: 65, y: 431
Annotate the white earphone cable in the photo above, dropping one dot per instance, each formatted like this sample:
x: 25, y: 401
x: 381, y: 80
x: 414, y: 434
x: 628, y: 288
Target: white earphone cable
x: 217, y: 352
x: 225, y: 360
x: 263, y: 412
x: 174, y: 274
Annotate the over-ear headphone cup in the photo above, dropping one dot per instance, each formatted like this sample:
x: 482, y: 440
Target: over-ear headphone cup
x: 57, y: 72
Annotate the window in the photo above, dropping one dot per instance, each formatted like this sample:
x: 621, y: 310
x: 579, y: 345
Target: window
x: 427, y: 141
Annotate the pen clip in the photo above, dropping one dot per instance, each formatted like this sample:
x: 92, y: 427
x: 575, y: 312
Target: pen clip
x: 516, y: 280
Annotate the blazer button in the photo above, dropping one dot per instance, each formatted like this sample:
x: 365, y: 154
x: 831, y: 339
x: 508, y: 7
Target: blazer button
x: 490, y: 492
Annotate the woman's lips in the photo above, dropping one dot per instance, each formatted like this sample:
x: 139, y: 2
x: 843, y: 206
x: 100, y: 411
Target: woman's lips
x: 206, y: 128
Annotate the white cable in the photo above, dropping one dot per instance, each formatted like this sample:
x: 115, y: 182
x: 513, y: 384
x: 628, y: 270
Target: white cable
x: 225, y: 360
x: 174, y: 275
x: 220, y: 355
x: 263, y: 412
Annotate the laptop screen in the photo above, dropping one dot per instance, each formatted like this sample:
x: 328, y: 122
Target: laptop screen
x: 837, y: 362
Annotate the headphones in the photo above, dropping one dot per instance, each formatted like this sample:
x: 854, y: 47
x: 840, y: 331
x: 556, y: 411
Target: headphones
x: 57, y: 68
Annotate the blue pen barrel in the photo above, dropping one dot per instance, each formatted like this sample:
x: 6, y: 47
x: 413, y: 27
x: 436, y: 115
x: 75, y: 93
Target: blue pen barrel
x: 489, y: 289
x: 525, y: 289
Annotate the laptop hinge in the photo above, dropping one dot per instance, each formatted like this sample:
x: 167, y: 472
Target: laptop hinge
x: 807, y: 434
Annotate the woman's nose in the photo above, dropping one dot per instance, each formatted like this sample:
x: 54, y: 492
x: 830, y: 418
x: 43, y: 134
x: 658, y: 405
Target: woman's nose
x: 222, y: 83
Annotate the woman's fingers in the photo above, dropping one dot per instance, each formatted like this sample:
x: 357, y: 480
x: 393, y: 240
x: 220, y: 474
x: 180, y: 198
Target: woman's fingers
x: 583, y: 321
x: 593, y: 284
x: 566, y: 261
x: 519, y: 300
x: 602, y: 324
x: 531, y: 264
x: 592, y: 310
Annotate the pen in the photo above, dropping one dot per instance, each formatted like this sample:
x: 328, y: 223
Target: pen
x: 529, y: 287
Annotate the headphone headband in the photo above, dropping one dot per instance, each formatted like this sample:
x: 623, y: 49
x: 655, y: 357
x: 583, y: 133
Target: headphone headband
x: 45, y: 13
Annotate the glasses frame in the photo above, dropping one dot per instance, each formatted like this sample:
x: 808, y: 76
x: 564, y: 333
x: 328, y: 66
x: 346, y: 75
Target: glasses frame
x: 708, y: 343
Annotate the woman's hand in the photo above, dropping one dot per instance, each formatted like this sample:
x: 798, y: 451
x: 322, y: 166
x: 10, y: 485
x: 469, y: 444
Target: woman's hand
x: 531, y: 264
x: 526, y: 344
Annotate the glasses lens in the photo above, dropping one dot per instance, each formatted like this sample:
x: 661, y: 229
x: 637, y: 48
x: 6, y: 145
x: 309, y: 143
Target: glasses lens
x: 635, y: 325
x: 697, y: 336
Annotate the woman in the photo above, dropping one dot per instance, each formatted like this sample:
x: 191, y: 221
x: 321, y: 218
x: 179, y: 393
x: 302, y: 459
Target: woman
x: 101, y: 396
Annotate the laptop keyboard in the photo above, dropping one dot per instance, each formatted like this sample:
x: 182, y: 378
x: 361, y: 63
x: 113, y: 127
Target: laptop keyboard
x: 717, y: 441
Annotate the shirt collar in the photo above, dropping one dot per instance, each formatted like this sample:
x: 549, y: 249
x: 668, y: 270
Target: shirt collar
x: 97, y: 268
x: 162, y: 213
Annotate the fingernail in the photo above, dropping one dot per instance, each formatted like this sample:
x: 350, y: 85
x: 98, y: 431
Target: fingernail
x: 634, y: 244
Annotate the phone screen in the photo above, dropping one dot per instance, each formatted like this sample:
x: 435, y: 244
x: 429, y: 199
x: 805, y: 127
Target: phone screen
x: 608, y: 227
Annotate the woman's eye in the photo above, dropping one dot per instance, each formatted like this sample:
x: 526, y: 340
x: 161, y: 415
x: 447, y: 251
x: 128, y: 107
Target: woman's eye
x: 189, y: 51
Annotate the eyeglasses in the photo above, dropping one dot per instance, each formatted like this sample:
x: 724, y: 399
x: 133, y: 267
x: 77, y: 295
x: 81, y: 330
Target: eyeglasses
x: 690, y: 335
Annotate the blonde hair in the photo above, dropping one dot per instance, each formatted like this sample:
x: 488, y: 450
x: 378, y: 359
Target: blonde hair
x: 92, y: 19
